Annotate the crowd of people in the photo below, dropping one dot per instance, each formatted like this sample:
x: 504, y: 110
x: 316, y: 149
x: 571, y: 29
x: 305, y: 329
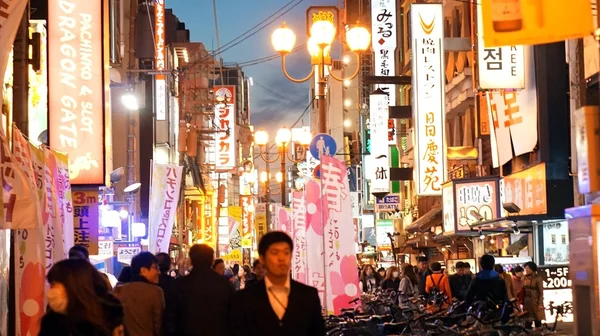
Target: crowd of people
x: 211, y: 300
x: 524, y: 285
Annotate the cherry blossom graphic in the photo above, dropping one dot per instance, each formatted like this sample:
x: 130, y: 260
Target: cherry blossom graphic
x: 284, y: 221
x: 344, y: 284
x: 314, y: 208
x: 31, y: 298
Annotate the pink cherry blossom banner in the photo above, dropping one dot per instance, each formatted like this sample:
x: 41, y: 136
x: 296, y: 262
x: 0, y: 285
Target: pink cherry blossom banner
x: 340, y: 254
x: 315, y: 268
x: 299, y: 236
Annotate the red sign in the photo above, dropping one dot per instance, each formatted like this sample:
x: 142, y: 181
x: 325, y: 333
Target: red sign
x: 246, y: 202
x: 76, y: 84
x: 226, y: 146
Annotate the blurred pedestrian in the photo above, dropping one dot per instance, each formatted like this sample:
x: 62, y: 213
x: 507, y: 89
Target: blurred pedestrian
x: 125, y: 276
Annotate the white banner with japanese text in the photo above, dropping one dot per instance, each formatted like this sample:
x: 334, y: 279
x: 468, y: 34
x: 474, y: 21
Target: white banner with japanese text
x: 30, y: 263
x: 380, y: 179
x: 65, y: 197
x: 55, y: 232
x: 514, y: 114
x: 429, y: 97
x: 340, y: 254
x: 315, y: 266
x: 164, y: 196
x: 384, y: 43
x: 299, y: 236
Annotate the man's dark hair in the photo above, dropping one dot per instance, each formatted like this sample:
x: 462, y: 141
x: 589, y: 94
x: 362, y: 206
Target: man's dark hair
x: 487, y: 262
x: 79, y: 252
x: 422, y: 259
x: 516, y: 270
x: 255, y: 263
x: 271, y: 238
x: 531, y: 265
x: 217, y: 262
x: 164, y: 262
x: 499, y: 268
x: 459, y: 265
x: 142, y: 260
x: 467, y: 265
x: 202, y: 256
x: 235, y: 269
x: 436, y: 266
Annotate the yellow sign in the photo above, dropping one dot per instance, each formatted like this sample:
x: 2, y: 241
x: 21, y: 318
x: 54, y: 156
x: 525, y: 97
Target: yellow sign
x: 235, y: 257
x: 514, y: 22
x: 260, y: 221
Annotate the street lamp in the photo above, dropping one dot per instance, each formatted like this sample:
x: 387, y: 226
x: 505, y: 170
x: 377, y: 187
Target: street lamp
x: 282, y: 139
x: 322, y: 32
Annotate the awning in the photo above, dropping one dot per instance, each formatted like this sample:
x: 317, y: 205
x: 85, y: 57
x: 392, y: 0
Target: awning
x: 431, y: 219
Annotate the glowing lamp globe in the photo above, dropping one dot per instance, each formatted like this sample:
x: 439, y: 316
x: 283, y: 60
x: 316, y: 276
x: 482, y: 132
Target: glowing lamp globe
x: 284, y: 135
x: 283, y: 39
x: 261, y: 137
x: 358, y: 39
x: 323, y: 31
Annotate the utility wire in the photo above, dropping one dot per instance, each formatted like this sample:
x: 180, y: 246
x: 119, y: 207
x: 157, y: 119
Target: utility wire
x: 278, y: 95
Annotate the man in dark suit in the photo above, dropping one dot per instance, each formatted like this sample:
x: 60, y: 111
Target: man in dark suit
x: 277, y: 305
x: 201, y: 300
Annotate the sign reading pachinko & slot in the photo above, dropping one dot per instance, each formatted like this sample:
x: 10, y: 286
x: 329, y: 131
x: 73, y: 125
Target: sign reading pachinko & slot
x: 164, y: 195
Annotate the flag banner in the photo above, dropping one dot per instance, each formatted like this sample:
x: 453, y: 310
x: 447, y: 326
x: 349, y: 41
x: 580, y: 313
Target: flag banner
x: 340, y: 255
x: 299, y: 236
x: 164, y: 196
x: 4, y: 271
x: 315, y: 267
x: 55, y: 231
x: 65, y: 197
x: 247, y: 203
x: 235, y: 222
x: 11, y: 13
x: 30, y: 262
x: 19, y: 198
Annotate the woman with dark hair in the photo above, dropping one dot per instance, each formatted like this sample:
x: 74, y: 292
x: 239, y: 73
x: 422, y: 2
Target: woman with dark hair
x: 243, y: 274
x: 392, y: 279
x: 125, y: 276
x: 235, y: 279
x: 369, y: 281
x: 80, y: 302
x: 533, y: 295
x: 409, y: 284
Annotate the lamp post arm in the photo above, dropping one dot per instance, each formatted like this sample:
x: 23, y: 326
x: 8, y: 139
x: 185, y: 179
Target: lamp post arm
x: 283, y: 67
x: 300, y: 159
x: 343, y: 79
x: 264, y: 156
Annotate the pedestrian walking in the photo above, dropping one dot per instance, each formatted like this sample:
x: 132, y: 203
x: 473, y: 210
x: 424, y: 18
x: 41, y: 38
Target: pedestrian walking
x: 277, y: 305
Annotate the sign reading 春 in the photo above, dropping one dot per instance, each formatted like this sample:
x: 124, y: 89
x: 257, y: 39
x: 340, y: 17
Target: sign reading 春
x: 499, y: 67
x: 226, y: 145
x: 379, y: 169
x: 384, y: 30
x: 428, y: 89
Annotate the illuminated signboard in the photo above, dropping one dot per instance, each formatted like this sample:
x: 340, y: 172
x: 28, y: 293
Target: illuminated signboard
x: 427, y: 31
x: 226, y: 146
x: 78, y: 95
x: 160, y: 84
x: 384, y: 42
x: 475, y: 201
x: 379, y: 170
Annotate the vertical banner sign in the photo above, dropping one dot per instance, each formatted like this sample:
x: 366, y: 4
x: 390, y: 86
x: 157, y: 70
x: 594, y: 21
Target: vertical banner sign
x: 57, y: 230
x: 261, y: 220
x: 64, y: 193
x: 11, y: 13
x: 499, y: 67
x: 340, y: 256
x: 247, y: 202
x: 299, y: 236
x: 514, y: 115
x: 30, y: 273
x: 19, y: 199
x: 384, y: 42
x: 45, y: 196
x: 160, y: 83
x: 164, y: 196
x: 85, y: 219
x: 315, y: 216
x: 225, y: 120
x: 427, y: 31
x: 380, y: 178
x: 235, y: 221
x: 76, y: 86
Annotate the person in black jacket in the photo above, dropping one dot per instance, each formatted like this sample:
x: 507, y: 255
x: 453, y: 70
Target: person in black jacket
x: 423, y: 271
x: 200, y: 304
x: 487, y: 284
x: 277, y: 305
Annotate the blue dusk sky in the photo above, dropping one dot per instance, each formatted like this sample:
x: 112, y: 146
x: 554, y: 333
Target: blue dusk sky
x: 274, y: 100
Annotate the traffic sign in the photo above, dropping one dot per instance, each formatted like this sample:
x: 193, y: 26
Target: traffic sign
x: 322, y: 143
x: 317, y: 172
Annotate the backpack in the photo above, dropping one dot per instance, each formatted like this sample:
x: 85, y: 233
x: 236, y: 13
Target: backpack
x: 436, y: 294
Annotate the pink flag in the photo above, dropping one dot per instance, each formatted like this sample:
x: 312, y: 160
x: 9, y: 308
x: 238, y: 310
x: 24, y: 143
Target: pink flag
x: 298, y: 228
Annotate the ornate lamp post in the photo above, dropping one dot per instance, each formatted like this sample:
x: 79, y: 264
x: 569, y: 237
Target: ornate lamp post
x: 321, y: 30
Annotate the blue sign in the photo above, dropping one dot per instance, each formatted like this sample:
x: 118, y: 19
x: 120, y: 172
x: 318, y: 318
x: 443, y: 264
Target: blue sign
x: 389, y: 202
x: 322, y: 143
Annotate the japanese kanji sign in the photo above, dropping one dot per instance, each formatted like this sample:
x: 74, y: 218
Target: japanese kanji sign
x: 85, y: 219
x: 379, y: 168
x: 247, y: 202
x: 164, y: 195
x: 428, y: 89
x: 225, y: 110
x: 499, y: 67
x: 384, y: 42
